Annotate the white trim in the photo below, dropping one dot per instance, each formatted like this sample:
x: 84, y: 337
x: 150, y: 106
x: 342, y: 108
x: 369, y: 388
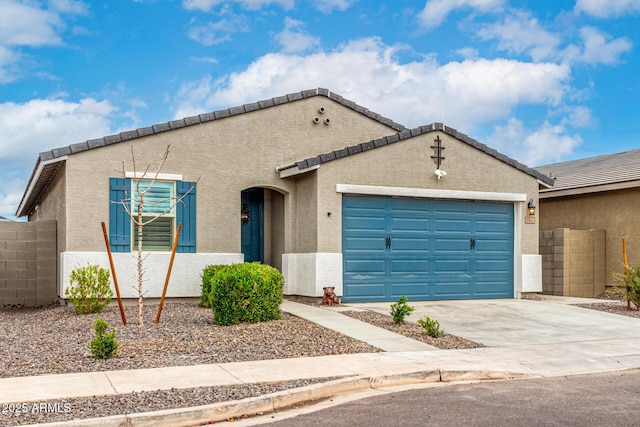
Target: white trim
x: 376, y: 190
x: 150, y: 175
x: 33, y: 182
x: 285, y: 173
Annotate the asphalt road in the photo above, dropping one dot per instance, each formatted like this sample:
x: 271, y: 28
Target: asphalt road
x: 611, y: 399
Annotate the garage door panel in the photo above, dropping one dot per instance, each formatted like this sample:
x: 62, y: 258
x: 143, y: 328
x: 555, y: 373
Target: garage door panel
x: 370, y: 291
x: 409, y: 266
x: 493, y: 266
x: 412, y: 290
x: 444, y: 245
x: 366, y: 244
x: 452, y: 289
x: 365, y: 223
x: 452, y: 266
x: 493, y: 288
x: 414, y: 244
x: 366, y: 265
x: 410, y: 224
x: 443, y: 225
x: 485, y: 246
x: 426, y: 249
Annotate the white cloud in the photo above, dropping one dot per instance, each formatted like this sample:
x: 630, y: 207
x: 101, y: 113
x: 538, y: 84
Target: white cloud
x: 43, y: 124
x: 213, y: 33
x: 521, y: 33
x: 27, y: 25
x: 598, y: 48
x: 328, y: 6
x: 464, y: 94
x: 548, y: 143
x: 40, y: 125
x: 294, y: 39
x: 206, y: 5
x: 609, y: 8
x: 436, y: 11
x: 69, y: 6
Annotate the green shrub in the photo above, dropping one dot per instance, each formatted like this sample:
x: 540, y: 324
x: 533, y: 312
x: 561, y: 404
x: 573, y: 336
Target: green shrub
x: 431, y: 326
x: 248, y: 292
x: 104, y: 345
x: 207, y: 274
x: 629, y: 285
x: 90, y: 290
x: 400, y: 310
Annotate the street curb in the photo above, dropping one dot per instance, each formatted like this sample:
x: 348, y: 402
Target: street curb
x: 260, y: 405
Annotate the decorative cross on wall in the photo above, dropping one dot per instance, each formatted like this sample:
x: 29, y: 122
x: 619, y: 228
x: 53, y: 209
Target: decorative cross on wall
x: 437, y: 150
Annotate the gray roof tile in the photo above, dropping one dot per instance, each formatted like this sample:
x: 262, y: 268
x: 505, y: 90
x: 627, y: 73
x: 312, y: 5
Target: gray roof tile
x: 616, y: 168
x: 193, y: 120
x: 412, y: 133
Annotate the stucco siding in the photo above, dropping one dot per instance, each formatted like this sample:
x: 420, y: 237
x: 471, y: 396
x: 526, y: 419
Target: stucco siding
x: 616, y: 212
x: 53, y: 206
x: 228, y: 155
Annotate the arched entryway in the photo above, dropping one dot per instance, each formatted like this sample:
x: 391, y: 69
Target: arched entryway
x: 262, y: 222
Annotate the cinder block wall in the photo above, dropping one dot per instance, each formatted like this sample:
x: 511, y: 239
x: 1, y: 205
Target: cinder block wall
x: 28, y: 263
x: 573, y: 262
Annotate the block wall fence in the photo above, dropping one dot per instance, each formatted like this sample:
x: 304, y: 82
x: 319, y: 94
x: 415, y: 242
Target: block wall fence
x: 573, y: 262
x: 28, y: 263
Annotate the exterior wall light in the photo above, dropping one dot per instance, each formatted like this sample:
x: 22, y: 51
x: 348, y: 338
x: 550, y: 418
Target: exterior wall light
x: 531, y: 207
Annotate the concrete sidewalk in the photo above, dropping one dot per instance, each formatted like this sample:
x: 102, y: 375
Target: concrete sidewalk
x: 605, y: 349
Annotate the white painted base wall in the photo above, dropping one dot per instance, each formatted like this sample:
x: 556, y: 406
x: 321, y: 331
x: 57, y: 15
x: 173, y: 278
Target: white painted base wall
x: 185, y: 278
x: 307, y: 274
x: 531, y: 273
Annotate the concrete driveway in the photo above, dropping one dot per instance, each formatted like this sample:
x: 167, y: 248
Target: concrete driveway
x: 512, y: 322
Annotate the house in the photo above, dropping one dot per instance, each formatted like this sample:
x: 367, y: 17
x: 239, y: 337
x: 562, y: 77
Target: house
x: 325, y: 190
x: 597, y: 193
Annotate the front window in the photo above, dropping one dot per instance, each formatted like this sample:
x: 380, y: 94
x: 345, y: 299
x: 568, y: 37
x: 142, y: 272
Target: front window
x: 158, y: 201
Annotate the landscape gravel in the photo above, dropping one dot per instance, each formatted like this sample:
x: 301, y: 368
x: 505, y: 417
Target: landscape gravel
x: 103, y: 406
x: 412, y: 330
x: 54, y: 340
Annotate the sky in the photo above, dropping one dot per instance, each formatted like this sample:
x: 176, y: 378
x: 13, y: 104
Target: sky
x: 540, y: 81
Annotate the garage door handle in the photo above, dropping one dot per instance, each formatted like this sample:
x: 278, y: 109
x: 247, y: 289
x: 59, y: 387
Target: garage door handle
x: 388, y: 245
x: 473, y: 244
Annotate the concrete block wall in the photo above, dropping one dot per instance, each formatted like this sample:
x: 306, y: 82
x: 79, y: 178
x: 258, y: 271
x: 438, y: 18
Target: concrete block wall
x: 28, y: 263
x: 573, y: 262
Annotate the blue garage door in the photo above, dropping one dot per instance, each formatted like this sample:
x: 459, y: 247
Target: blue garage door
x: 426, y: 249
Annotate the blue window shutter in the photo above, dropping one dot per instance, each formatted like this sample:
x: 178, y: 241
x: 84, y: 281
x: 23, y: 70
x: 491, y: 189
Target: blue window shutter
x: 186, y: 214
x: 119, y: 220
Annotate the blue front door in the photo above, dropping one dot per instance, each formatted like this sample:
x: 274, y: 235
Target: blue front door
x: 252, y: 223
x: 426, y: 249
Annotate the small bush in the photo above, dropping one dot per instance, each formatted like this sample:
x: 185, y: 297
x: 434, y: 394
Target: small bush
x: 629, y: 285
x: 207, y: 274
x: 90, y: 289
x: 104, y: 345
x: 431, y: 326
x: 248, y: 292
x: 400, y: 310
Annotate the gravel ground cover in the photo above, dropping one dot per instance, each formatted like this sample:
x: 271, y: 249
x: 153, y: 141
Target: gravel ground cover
x: 412, y: 330
x: 613, y: 307
x: 103, y: 406
x: 54, y: 340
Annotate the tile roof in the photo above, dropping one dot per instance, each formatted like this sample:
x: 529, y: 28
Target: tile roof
x: 410, y: 133
x: 593, y: 174
x: 216, y: 115
x: 49, y: 161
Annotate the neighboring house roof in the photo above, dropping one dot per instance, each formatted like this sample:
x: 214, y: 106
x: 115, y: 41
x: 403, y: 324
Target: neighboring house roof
x: 594, y: 174
x: 313, y: 162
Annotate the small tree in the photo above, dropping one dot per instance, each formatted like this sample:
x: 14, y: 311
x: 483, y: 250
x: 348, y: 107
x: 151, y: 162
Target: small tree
x: 134, y: 205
